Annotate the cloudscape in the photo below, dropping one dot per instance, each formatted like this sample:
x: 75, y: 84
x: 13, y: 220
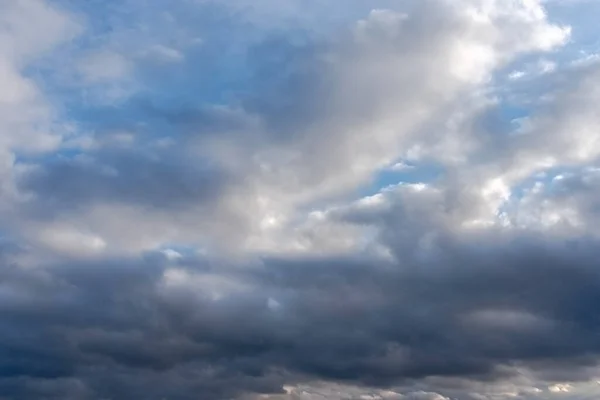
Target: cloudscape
x: 299, y: 199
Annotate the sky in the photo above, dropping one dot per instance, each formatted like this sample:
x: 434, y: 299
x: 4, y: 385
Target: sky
x: 299, y: 199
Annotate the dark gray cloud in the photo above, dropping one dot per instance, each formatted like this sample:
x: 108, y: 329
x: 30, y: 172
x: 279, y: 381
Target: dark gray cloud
x: 123, y: 176
x: 112, y: 330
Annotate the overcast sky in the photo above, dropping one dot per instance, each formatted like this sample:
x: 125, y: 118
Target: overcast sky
x: 299, y: 199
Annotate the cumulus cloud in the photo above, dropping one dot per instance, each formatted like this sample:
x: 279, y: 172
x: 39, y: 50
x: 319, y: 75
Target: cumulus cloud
x: 230, y: 201
x: 30, y: 29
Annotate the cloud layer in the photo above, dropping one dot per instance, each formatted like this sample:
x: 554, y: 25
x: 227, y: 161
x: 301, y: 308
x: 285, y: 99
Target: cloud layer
x: 291, y: 200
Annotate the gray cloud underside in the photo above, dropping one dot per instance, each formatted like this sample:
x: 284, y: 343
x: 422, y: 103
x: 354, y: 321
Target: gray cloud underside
x: 112, y: 329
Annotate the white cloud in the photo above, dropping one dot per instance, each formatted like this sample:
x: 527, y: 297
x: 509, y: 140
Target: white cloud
x: 400, y: 166
x: 163, y: 54
x: 68, y: 241
x: 395, y: 79
x: 104, y: 65
x: 29, y: 30
x: 560, y: 388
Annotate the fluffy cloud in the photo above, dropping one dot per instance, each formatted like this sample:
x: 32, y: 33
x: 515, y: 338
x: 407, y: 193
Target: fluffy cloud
x: 30, y: 29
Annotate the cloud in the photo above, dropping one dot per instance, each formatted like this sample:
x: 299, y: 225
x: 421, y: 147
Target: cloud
x: 163, y: 54
x: 222, y: 221
x: 471, y: 313
x: 31, y: 29
x: 394, y: 70
x: 104, y: 65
